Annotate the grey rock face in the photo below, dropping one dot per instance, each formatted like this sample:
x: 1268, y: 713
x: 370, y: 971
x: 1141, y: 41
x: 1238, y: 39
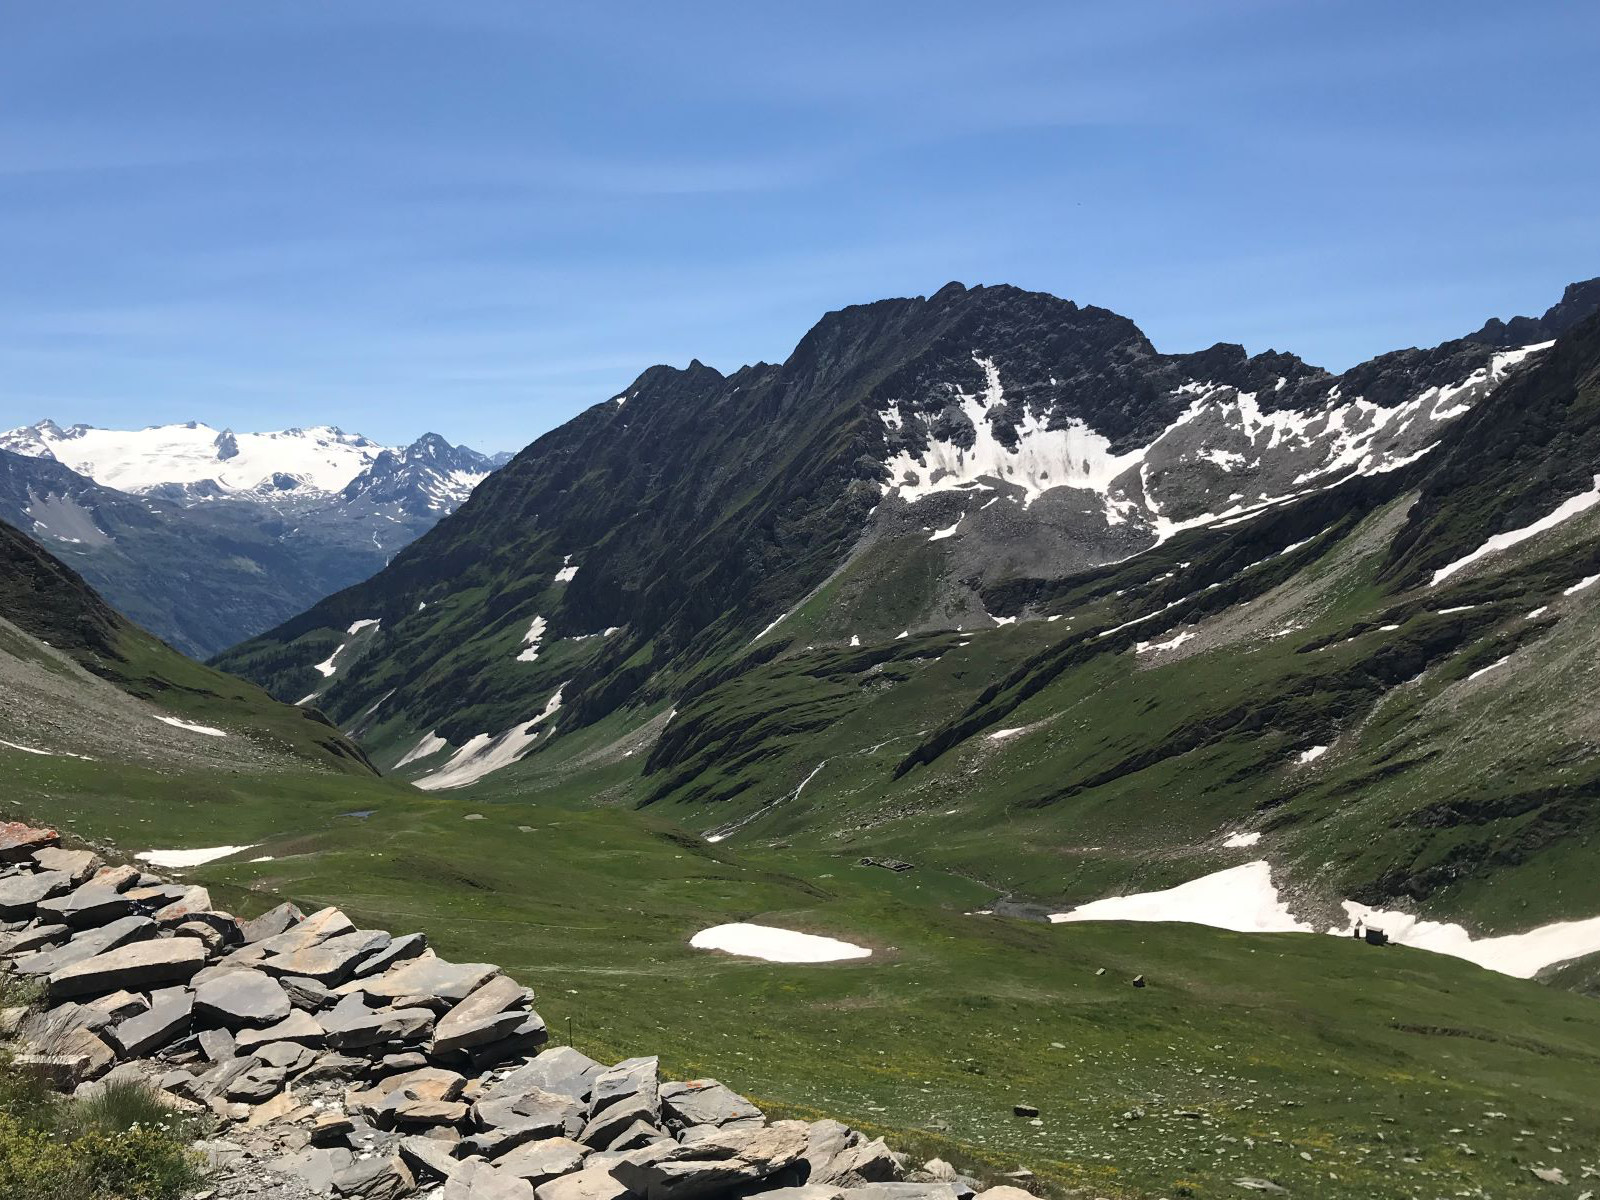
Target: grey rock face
x: 560, y: 1069
x: 543, y: 1160
x: 588, y: 1184
x: 296, y: 1027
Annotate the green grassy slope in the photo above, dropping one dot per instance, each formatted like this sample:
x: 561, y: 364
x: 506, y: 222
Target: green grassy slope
x: 48, y: 601
x: 1334, y: 1068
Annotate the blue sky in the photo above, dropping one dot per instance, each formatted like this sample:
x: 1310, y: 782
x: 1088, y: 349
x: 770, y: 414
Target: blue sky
x: 479, y: 217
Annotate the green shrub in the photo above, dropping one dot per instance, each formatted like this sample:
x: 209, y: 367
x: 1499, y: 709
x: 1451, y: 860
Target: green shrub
x: 120, y: 1144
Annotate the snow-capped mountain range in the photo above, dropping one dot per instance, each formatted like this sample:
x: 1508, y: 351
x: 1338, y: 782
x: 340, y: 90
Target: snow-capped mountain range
x: 195, y: 462
x: 208, y: 536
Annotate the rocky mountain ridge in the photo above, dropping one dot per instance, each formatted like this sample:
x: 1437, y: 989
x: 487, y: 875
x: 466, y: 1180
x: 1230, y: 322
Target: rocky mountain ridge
x: 335, y: 1059
x: 926, y: 460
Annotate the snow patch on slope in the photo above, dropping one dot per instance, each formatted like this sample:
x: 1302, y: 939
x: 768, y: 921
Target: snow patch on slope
x: 1569, y: 508
x: 429, y: 744
x: 486, y: 752
x: 208, y: 730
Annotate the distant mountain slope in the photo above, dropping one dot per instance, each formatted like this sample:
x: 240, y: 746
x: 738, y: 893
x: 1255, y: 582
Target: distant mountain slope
x: 915, y: 464
x: 214, y: 539
x: 78, y: 680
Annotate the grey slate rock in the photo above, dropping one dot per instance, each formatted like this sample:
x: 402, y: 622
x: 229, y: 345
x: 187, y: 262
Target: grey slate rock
x: 258, y: 1083
x: 429, y: 1158
x: 307, y: 993
x: 398, y: 950
x: 350, y: 1024
x: 560, y: 1069
x: 481, y: 1181
x: 166, y: 1020
x: 588, y: 1184
x: 606, y: 1127
x: 89, y: 904
x: 543, y: 1160
x: 271, y: 923
x: 330, y: 961
x: 489, y: 1014
x: 430, y: 982
x: 632, y: 1078
x: 21, y: 894
x: 33, y: 937
x: 296, y: 1027
x: 704, y: 1102
x: 315, y: 1168
x: 86, y: 945
x: 78, y: 864
x: 217, y: 1044
x: 376, y: 1178
x: 732, y: 1159
x: 242, y: 998
x: 138, y: 965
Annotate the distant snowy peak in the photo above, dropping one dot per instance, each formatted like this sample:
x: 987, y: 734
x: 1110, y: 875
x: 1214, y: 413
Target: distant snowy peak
x: 193, y: 462
x: 430, y: 475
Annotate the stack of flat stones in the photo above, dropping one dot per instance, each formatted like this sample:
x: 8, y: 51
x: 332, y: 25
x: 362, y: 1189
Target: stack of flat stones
x: 371, y: 1067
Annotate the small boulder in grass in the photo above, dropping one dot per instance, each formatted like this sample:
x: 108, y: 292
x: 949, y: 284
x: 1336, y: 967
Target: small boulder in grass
x: 1024, y: 1110
x: 1138, y: 981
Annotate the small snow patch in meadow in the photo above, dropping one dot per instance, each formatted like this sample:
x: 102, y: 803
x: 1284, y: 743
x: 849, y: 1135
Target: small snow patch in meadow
x: 1000, y: 735
x: 855, y: 639
x: 370, y: 623
x: 264, y: 858
x: 44, y: 753
x: 1387, y: 628
x: 304, y: 700
x: 192, y: 727
x: 1241, y: 898
x: 1445, y: 612
x: 1239, y: 840
x: 568, y: 572
x: 904, y: 633
x: 1538, y: 612
x: 775, y: 945
x: 1311, y: 755
x: 939, y: 535
x: 189, y: 858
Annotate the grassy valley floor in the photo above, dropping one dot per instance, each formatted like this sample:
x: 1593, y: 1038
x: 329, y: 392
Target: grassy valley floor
x: 1332, y: 1068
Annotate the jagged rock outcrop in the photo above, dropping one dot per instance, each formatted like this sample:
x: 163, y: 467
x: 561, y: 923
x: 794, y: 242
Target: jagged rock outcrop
x: 347, y: 1062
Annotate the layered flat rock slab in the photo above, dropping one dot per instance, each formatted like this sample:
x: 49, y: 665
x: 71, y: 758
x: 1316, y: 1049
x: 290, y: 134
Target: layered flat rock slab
x: 330, y: 961
x: 299, y: 1027
x: 168, y: 1017
x: 242, y: 998
x: 705, y: 1102
x: 19, y: 841
x: 733, y: 1158
x: 591, y: 1183
x: 138, y: 966
x: 428, y: 980
x: 492, y: 1012
x: 86, y: 945
x: 20, y: 895
x: 477, y: 1180
x: 79, y: 864
x: 351, y: 1024
x: 560, y: 1069
x: 90, y: 904
x: 540, y: 1161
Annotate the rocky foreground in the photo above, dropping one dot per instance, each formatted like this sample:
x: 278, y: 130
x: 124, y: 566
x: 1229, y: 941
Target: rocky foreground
x: 349, y: 1062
